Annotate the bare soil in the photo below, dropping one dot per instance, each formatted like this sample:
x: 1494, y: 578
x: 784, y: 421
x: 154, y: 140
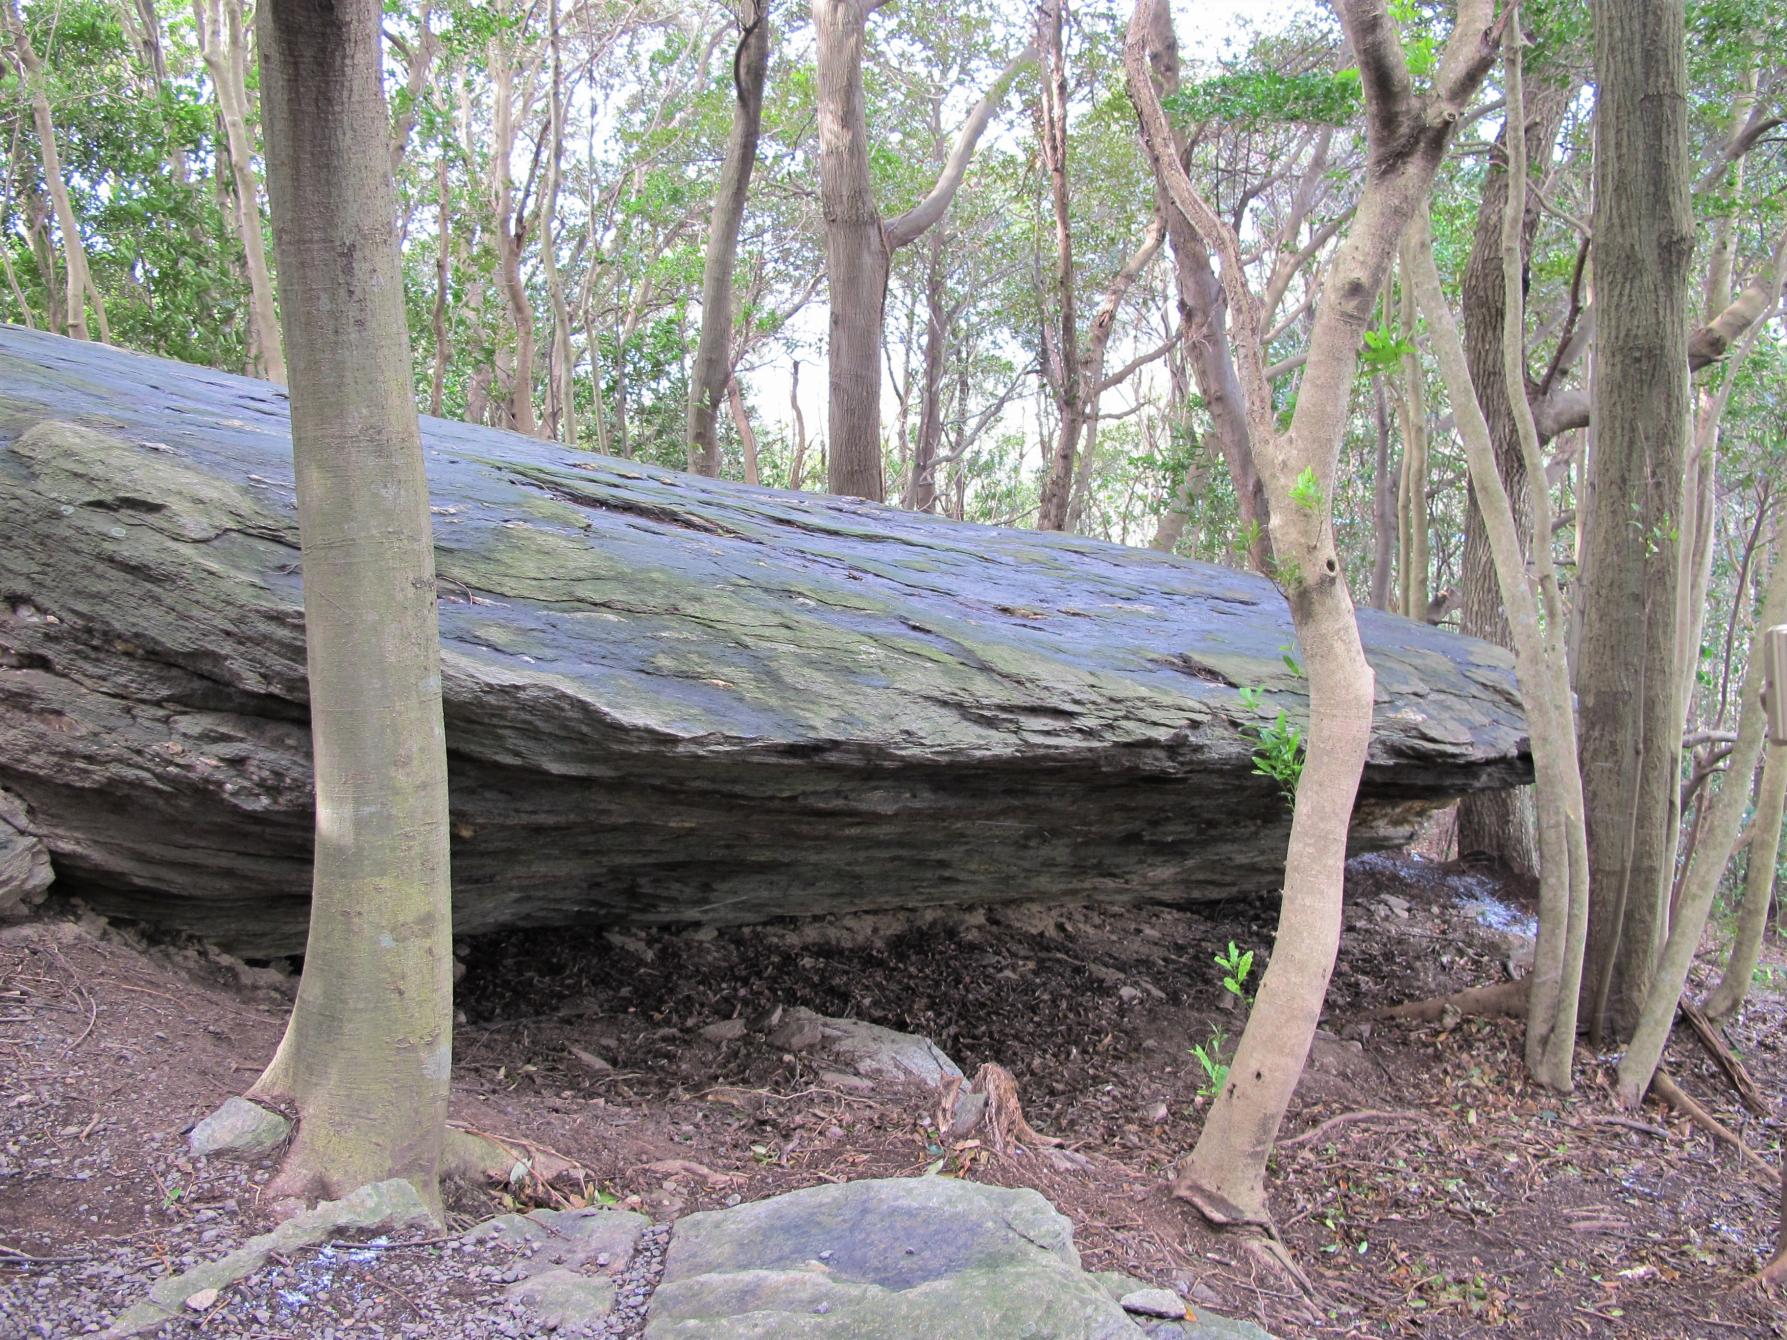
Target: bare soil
x: 1423, y: 1186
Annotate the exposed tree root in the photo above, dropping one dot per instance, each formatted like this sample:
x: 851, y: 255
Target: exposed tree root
x: 1376, y: 1117
x: 1672, y: 1093
x: 1499, y: 1000
x: 1220, y: 1211
x: 1725, y: 1058
x: 383, y: 1205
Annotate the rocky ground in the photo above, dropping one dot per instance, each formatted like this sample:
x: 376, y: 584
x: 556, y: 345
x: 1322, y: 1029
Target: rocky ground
x: 1422, y: 1185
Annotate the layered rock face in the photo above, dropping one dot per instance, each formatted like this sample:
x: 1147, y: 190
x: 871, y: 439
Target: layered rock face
x: 667, y: 697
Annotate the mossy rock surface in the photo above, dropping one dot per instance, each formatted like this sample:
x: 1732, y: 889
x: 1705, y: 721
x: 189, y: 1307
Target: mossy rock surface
x: 668, y: 698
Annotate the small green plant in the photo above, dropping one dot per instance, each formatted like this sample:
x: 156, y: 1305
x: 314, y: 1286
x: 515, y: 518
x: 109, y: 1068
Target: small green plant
x: 1236, y: 965
x: 1307, y: 491
x: 1216, y: 1073
x: 1279, y: 745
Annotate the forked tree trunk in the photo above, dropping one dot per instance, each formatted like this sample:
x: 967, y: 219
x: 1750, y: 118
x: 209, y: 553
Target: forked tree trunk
x: 367, y: 1052
x: 1407, y: 139
x: 1630, y: 721
x: 859, y: 246
x: 713, y: 356
x: 223, y: 40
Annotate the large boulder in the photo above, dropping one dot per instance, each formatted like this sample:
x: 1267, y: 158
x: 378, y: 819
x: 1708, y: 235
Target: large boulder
x: 667, y: 697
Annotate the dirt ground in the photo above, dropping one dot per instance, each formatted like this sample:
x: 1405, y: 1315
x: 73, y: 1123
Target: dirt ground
x: 1424, y: 1187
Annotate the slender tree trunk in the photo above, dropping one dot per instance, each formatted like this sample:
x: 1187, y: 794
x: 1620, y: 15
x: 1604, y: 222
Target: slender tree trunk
x: 1383, y: 540
x: 1630, y: 705
x: 443, y: 276
x: 1070, y: 388
x: 1411, y: 493
x: 1759, y: 888
x: 223, y: 40
x: 1204, y: 316
x: 564, y: 360
x: 1723, y: 817
x: 74, y: 251
x: 921, y: 482
x: 511, y: 237
x: 741, y: 420
x: 713, y: 357
x: 797, y: 468
x: 1407, y: 139
x: 366, y: 1056
x: 1498, y: 824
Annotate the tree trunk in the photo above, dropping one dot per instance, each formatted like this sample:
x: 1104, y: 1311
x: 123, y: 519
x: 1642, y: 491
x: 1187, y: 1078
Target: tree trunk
x: 859, y: 247
x: 1070, y: 389
x: 1204, y: 317
x: 741, y: 420
x: 1502, y: 828
x: 1723, y: 817
x: 921, y: 483
x: 1383, y: 539
x: 223, y: 40
x: 74, y: 251
x: 1630, y: 720
x: 366, y: 1056
x: 564, y: 359
x: 713, y: 356
x: 1759, y: 888
x: 511, y: 236
x: 797, y: 468
x: 1407, y: 139
x: 1411, y: 493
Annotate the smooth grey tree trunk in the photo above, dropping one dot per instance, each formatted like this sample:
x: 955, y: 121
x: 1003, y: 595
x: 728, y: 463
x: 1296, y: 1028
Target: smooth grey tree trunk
x: 366, y: 1056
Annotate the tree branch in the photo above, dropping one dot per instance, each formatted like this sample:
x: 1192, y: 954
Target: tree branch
x: 908, y: 227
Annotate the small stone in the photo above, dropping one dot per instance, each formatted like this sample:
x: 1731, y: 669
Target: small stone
x: 798, y: 1034
x: 1129, y: 995
x: 201, y: 1300
x: 726, y: 1030
x: 1154, y: 1303
x: 239, y: 1126
x: 589, y: 1060
x: 1158, y: 1113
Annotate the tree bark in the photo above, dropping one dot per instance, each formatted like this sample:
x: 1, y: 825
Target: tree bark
x: 1630, y: 721
x: 713, y: 356
x: 1383, y: 511
x: 223, y: 40
x: 366, y: 1056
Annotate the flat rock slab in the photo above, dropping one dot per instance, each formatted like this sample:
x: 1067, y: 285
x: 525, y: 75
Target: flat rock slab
x: 882, y: 1260
x: 668, y: 698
